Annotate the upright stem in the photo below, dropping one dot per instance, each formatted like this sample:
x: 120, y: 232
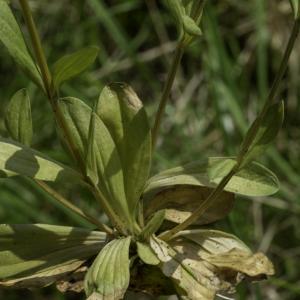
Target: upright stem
x: 37, y: 46
x: 201, y: 209
x: 283, y: 65
x: 273, y: 91
x: 166, y: 91
x: 218, y: 190
x: 114, y: 218
x: 72, y: 207
x: 46, y: 76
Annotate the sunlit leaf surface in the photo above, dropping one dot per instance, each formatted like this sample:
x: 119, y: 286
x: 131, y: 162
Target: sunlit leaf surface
x: 108, y: 277
x: 37, y: 255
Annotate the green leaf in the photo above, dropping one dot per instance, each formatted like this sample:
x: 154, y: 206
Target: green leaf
x: 253, y: 180
x: 180, y: 201
x: 214, y: 241
x: 73, y: 64
x: 221, y: 168
x: 16, y: 159
x: 295, y: 7
x: 189, y: 286
x: 108, y: 277
x: 36, y: 255
x: 190, y: 26
x: 12, y: 38
x: 109, y: 177
x: 182, y: 12
x: 123, y: 114
x: 268, y: 128
x: 153, y: 224
x: 146, y: 254
x: 77, y: 119
x: 18, y: 118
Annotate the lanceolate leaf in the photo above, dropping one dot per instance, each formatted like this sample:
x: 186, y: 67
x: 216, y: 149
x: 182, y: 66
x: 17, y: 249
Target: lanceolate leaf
x: 73, y: 64
x: 77, y: 116
x: 180, y: 201
x: 109, y: 177
x: 146, y: 254
x: 253, y: 180
x: 153, y: 224
x: 18, y: 118
x: 36, y: 255
x: 16, y: 159
x: 268, y: 128
x: 222, y: 250
x: 108, y: 277
x: 123, y: 114
x: 12, y: 38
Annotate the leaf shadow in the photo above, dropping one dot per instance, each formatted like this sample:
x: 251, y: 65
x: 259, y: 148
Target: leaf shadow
x: 43, y: 248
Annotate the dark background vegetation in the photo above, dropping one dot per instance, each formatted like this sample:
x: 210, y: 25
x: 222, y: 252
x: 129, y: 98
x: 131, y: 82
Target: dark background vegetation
x: 223, y: 81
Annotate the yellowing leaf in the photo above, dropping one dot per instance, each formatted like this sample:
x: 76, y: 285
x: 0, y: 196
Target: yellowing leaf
x: 173, y: 266
x: 214, y: 241
x: 73, y: 64
x: 12, y: 38
x: 252, y: 265
x: 225, y: 255
x: 124, y: 115
x: 37, y: 255
x: 18, y: 118
x: 16, y: 159
x: 180, y: 201
x: 108, y: 277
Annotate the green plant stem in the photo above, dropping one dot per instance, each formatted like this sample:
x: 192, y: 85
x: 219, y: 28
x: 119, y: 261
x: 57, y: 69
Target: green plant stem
x: 218, y: 190
x: 273, y: 91
x: 58, y: 197
x: 46, y: 76
x: 166, y: 91
x: 283, y: 65
x: 201, y: 209
x: 37, y: 46
x: 50, y: 92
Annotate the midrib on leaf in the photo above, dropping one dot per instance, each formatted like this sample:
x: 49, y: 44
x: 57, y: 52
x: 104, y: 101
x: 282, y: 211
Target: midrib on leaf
x: 109, y: 274
x: 110, y: 173
x: 123, y: 114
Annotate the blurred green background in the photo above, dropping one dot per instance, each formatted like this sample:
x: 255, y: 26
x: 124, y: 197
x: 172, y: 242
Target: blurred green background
x: 223, y: 81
